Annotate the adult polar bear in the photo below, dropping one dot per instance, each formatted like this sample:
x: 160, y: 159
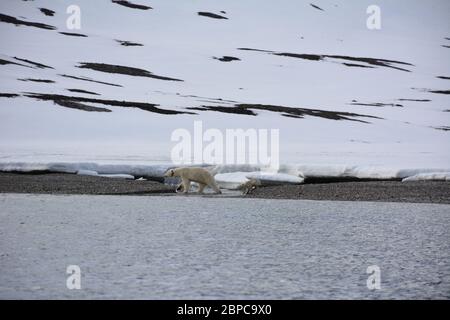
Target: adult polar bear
x: 194, y: 174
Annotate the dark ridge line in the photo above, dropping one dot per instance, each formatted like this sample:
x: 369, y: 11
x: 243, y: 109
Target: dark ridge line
x: 37, y: 80
x: 5, y: 62
x: 115, y: 103
x: 442, y: 77
x: 248, y: 109
x: 131, y: 5
x: 129, y: 43
x: 90, y: 80
x: 373, y: 61
x: 72, y: 34
x: 234, y: 110
x: 208, y: 98
x: 440, y: 91
x: 257, y: 50
x: 320, y: 57
x: 227, y: 58
x: 376, y: 104
x: 291, y: 116
x: 82, y: 91
x: 79, y: 106
x: 211, y: 15
x: 211, y: 101
x: 356, y: 65
x: 47, y: 12
x: 448, y: 110
x: 17, y: 22
x: 130, y: 71
x: 333, y: 115
x: 36, y: 64
x: 316, y: 7
x: 305, y: 56
x: 9, y: 95
x: 443, y: 128
x: 445, y: 46
x: 415, y: 100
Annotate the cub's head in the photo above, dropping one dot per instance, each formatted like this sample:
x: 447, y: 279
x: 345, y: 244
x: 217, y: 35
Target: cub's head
x: 169, y: 173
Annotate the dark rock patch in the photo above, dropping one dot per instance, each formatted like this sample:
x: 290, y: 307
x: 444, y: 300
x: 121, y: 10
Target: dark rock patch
x: 316, y: 7
x: 215, y: 100
x: 47, y: 12
x: 443, y: 128
x: 130, y: 71
x: 227, y: 58
x: 249, y: 109
x: 257, y: 50
x: 234, y: 110
x: 72, y: 34
x: 9, y: 95
x: 36, y: 64
x: 8, y: 19
x: 129, y: 4
x: 82, y: 91
x: 90, y: 80
x: 211, y: 15
x: 115, y: 103
x: 5, y: 62
x: 129, y: 43
x: 356, y: 65
x: 37, y: 80
x: 444, y: 78
x: 415, y: 100
x: 440, y: 91
x: 377, y: 104
x: 320, y: 57
x: 79, y: 106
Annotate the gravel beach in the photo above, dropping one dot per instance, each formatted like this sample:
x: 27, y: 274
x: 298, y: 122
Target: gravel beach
x: 61, y: 183
x: 386, y: 191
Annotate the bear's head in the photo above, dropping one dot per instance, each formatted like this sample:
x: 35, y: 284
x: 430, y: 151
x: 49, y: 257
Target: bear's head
x: 169, y: 173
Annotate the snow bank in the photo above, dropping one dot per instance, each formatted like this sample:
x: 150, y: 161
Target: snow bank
x: 231, y: 180
x: 88, y: 168
x: 95, y: 173
x: 363, y: 172
x: 232, y: 176
x: 87, y: 173
x: 234, y: 180
x: 436, y: 176
x: 268, y: 178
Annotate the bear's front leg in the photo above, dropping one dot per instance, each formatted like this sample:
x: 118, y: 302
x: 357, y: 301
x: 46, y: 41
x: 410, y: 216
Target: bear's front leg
x: 186, y: 185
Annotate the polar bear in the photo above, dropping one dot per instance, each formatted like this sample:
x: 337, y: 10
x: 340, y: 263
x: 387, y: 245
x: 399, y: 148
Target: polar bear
x: 193, y: 174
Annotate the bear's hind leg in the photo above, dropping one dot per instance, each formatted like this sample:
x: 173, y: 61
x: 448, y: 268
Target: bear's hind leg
x: 215, y: 188
x: 201, y: 187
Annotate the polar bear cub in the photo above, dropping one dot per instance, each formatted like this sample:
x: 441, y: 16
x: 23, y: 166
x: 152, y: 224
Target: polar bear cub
x: 194, y: 174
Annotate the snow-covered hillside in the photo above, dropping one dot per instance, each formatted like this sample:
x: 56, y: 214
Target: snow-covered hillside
x: 114, y: 90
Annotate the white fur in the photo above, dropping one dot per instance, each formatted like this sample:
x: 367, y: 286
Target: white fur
x: 194, y: 174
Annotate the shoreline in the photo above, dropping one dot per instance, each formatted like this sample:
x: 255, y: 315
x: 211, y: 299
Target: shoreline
x: 378, y: 191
